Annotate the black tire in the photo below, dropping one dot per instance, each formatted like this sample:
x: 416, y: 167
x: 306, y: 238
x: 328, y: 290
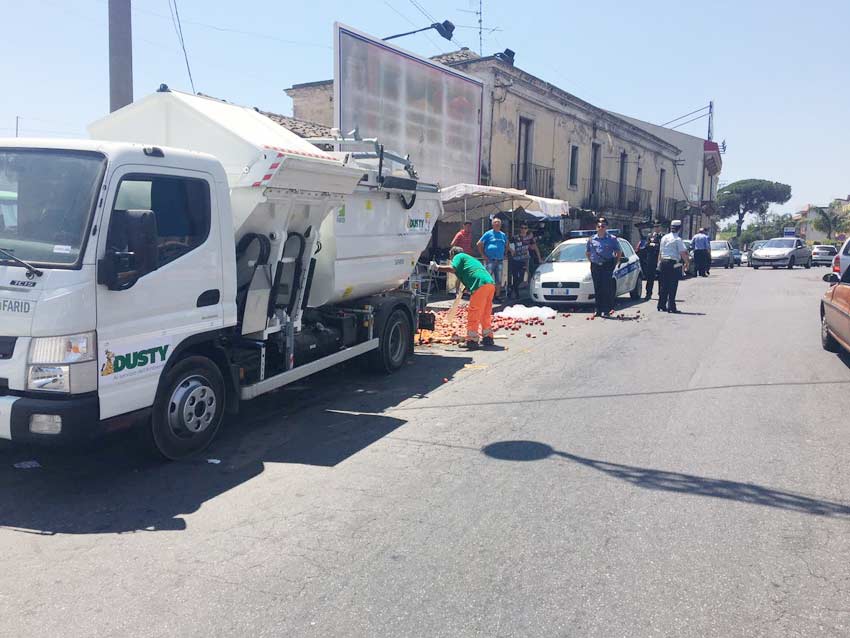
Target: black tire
x: 394, y: 349
x: 634, y: 293
x: 791, y: 264
x: 755, y: 267
x: 826, y: 339
x: 808, y: 264
x: 188, y: 409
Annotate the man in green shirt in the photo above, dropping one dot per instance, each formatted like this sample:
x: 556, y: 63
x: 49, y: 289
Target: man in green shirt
x: 474, y: 276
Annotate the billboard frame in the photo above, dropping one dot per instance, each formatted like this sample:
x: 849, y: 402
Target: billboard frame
x: 340, y: 28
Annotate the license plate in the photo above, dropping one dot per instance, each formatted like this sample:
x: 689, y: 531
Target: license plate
x: 559, y: 291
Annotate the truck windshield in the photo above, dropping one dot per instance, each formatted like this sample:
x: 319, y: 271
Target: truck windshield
x: 47, y: 198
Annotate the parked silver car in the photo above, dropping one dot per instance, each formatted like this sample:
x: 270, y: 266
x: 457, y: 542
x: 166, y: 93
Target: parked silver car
x: 721, y: 254
x: 786, y: 252
x: 822, y: 255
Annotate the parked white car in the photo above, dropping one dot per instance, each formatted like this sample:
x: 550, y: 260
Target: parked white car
x: 822, y: 255
x: 785, y: 252
x: 565, y: 275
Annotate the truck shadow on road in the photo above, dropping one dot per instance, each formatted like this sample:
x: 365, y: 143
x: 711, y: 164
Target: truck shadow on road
x: 652, y: 479
x: 119, y: 488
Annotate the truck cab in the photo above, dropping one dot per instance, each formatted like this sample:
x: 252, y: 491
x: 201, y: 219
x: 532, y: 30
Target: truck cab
x: 85, y: 304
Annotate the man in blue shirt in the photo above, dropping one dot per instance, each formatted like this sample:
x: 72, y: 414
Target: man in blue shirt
x: 701, y: 244
x: 492, y: 246
x: 603, y: 252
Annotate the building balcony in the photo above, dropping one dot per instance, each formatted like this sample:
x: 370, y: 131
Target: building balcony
x: 533, y: 179
x: 609, y: 195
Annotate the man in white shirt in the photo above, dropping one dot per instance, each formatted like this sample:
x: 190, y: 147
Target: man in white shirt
x: 671, y: 256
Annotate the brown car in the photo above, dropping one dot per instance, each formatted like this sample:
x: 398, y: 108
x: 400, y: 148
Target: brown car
x: 835, y: 313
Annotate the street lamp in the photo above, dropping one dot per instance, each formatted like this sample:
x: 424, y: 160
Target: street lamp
x: 444, y: 28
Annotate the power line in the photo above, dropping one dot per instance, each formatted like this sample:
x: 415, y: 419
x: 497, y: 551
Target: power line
x: 685, y: 115
x: 425, y: 13
x: 179, y: 28
x: 698, y: 117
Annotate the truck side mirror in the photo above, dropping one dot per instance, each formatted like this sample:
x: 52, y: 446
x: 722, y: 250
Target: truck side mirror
x: 831, y: 278
x: 131, y: 249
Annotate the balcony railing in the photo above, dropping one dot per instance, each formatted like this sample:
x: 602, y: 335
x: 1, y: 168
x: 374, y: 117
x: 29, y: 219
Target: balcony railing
x: 607, y: 194
x: 534, y: 179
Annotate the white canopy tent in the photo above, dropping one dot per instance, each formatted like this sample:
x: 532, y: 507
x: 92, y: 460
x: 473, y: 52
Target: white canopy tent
x: 472, y: 202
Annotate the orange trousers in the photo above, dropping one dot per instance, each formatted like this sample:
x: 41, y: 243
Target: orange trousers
x: 480, y: 313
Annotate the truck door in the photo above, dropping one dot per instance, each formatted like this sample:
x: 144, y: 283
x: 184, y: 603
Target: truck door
x: 139, y: 328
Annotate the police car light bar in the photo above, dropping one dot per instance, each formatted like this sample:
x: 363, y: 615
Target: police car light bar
x: 590, y: 233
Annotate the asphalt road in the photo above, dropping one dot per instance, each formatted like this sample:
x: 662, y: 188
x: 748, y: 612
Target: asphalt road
x: 663, y: 476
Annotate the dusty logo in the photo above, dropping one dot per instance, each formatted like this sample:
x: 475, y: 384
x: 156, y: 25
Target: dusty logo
x: 22, y: 284
x: 132, y: 360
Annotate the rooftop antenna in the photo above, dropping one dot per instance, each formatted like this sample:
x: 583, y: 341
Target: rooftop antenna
x: 480, y: 15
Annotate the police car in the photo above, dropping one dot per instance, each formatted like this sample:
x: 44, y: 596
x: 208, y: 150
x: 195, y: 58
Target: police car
x: 565, y: 275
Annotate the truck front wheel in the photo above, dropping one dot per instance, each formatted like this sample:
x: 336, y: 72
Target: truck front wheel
x: 188, y: 409
x: 394, y: 348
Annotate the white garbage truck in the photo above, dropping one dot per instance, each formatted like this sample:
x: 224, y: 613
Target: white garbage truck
x: 194, y: 254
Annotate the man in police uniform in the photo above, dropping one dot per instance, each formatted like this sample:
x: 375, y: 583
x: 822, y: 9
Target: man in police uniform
x: 672, y: 256
x: 648, y: 254
x: 702, y: 252
x: 603, y: 252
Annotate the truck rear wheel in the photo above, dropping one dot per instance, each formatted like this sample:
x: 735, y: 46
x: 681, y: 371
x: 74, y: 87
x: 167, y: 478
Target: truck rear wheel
x: 188, y: 409
x: 395, y: 344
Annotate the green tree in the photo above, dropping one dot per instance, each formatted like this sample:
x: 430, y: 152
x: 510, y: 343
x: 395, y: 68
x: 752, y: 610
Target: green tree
x: 830, y: 220
x: 751, y: 196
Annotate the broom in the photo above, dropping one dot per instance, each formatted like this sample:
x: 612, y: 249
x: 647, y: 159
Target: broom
x: 450, y: 315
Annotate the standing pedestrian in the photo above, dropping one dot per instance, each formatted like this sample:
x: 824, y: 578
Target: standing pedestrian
x: 648, y: 254
x: 702, y: 252
x: 493, y: 245
x: 474, y: 276
x: 524, y: 245
x: 463, y: 238
x: 673, y: 255
x: 603, y: 252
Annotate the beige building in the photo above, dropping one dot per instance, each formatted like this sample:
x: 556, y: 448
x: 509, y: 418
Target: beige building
x: 551, y: 143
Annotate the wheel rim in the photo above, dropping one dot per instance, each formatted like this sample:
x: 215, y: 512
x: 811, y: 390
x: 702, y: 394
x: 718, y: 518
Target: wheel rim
x: 397, y: 345
x: 192, y: 407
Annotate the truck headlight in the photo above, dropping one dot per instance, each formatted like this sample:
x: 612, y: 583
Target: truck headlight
x: 49, y: 378
x: 66, y: 349
x: 50, y: 363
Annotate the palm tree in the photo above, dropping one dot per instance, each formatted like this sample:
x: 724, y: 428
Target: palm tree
x: 830, y: 220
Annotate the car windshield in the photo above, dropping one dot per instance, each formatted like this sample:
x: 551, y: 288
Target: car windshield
x: 719, y: 245
x: 46, y: 200
x: 568, y: 252
x: 780, y: 243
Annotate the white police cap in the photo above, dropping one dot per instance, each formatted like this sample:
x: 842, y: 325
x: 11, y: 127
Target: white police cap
x: 676, y: 222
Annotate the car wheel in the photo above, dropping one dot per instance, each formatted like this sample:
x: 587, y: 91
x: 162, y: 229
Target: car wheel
x: 634, y: 293
x: 791, y: 263
x: 808, y: 264
x: 755, y: 267
x: 188, y: 409
x: 826, y: 339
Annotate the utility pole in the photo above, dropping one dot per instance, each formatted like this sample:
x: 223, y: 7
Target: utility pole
x: 711, y: 120
x: 120, y: 54
x: 17, y: 124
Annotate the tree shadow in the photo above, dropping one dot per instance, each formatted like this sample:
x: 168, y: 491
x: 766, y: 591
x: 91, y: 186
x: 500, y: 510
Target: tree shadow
x: 676, y: 482
x: 116, y: 487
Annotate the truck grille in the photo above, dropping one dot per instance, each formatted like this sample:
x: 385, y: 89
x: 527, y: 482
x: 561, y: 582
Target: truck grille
x: 7, y: 347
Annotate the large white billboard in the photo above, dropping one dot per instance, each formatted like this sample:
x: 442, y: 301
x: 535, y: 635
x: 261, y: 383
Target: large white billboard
x: 413, y: 105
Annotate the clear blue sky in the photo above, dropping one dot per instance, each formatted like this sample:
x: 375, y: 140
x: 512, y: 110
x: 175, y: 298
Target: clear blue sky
x: 778, y: 71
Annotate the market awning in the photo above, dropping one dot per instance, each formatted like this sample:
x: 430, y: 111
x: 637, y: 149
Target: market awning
x: 471, y: 202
